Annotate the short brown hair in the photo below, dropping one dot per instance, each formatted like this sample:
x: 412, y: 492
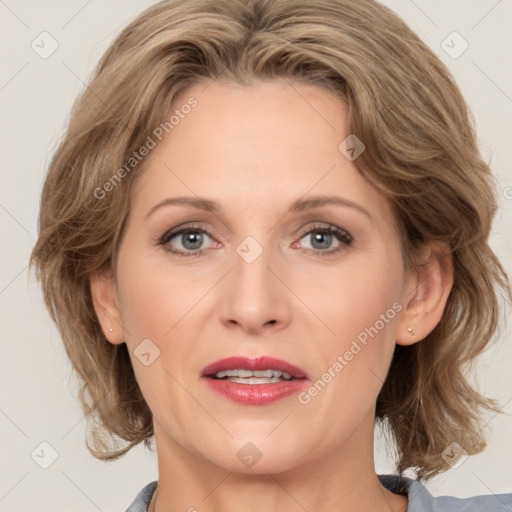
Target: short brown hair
x: 421, y: 152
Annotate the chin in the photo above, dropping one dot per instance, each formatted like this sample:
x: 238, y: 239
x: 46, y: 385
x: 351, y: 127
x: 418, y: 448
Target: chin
x: 256, y: 456
x: 264, y: 466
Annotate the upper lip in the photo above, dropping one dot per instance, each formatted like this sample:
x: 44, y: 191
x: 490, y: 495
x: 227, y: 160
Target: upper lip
x: 253, y: 363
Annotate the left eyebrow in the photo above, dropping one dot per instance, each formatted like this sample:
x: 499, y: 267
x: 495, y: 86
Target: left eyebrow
x: 195, y: 202
x: 317, y: 201
x: 298, y: 205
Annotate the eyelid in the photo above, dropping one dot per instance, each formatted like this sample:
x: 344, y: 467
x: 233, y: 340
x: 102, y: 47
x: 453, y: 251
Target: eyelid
x: 195, y: 225
x: 327, y: 227
x: 344, y: 238
x: 187, y: 226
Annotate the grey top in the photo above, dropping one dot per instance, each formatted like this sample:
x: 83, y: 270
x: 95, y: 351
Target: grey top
x: 420, y: 499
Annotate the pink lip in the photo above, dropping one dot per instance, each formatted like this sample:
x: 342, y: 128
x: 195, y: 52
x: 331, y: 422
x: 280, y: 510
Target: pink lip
x: 254, y: 394
x: 253, y: 363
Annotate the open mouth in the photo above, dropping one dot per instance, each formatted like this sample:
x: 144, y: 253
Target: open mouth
x: 254, y: 381
x: 252, y: 377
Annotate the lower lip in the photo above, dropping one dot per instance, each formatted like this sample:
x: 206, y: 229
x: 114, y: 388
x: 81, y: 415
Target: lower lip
x: 255, y: 394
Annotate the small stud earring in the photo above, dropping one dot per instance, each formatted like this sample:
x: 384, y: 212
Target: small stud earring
x: 111, y: 330
x: 411, y: 330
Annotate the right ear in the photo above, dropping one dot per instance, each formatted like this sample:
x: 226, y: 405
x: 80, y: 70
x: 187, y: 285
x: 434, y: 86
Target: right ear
x: 103, y: 292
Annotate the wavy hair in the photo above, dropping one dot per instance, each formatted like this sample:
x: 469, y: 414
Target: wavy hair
x: 421, y: 152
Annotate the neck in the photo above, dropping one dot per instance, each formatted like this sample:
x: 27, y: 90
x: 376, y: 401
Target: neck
x: 342, y: 479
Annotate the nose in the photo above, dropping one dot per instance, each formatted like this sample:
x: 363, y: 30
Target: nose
x: 254, y: 297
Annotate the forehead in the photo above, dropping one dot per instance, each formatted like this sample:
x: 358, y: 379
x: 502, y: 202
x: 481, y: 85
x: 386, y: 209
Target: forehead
x: 268, y: 143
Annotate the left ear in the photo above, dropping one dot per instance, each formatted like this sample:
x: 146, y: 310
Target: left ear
x: 425, y: 294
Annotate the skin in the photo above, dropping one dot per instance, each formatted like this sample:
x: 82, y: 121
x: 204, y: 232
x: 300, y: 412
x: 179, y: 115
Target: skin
x: 255, y: 150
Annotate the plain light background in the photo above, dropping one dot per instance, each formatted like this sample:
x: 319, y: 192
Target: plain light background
x: 37, y: 396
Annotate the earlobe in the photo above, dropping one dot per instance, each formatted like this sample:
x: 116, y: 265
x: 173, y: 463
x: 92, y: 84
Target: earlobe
x: 103, y: 293
x: 426, y: 294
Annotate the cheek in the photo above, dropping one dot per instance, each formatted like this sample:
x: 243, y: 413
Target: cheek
x: 155, y: 296
x: 362, y: 294
x: 156, y: 302
x: 371, y: 303
x: 361, y: 309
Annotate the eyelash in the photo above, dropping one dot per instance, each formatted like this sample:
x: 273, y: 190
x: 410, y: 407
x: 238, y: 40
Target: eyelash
x: 343, y: 236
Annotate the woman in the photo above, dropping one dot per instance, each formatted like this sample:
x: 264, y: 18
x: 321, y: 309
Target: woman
x: 265, y: 229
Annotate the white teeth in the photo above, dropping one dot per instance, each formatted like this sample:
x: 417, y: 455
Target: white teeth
x: 255, y: 380
x: 227, y: 373
x: 267, y: 373
x: 243, y: 373
x: 274, y: 375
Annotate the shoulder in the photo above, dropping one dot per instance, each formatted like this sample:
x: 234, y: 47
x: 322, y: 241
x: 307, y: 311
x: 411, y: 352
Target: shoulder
x: 142, y: 500
x: 421, y: 500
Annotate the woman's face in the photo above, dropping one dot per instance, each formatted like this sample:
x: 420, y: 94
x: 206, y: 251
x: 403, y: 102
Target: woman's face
x: 255, y: 278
